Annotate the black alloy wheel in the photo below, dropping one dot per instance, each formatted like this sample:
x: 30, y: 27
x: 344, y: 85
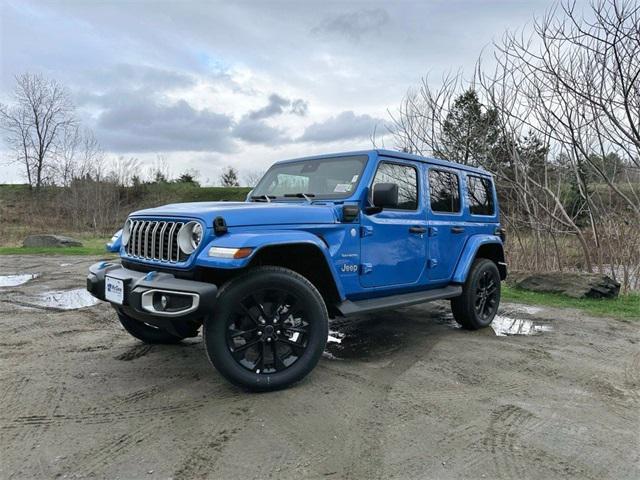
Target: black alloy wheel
x: 268, y: 329
x: 268, y: 332
x: 478, y: 304
x: 487, y: 295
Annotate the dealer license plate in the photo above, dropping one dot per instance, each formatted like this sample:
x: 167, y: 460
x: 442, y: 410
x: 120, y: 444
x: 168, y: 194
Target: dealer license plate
x: 114, y: 290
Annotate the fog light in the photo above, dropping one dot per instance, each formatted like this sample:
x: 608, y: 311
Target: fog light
x: 164, y: 301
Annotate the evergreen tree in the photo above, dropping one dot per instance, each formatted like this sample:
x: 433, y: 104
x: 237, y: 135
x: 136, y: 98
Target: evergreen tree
x: 469, y: 131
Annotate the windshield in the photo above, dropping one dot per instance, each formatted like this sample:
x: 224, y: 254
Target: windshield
x: 322, y: 178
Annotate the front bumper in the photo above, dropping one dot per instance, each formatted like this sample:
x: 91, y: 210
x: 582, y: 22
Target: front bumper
x: 187, y: 301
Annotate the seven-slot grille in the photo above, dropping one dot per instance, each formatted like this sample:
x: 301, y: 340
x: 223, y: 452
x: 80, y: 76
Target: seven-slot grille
x: 155, y: 240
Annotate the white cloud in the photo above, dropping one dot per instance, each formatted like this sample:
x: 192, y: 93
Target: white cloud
x: 242, y: 82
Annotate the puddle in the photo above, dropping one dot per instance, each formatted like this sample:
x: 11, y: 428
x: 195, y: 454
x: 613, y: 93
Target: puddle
x: 509, y: 322
x: 64, y: 299
x: 372, y: 338
x: 504, y: 326
x: 18, y: 279
x: 335, y: 336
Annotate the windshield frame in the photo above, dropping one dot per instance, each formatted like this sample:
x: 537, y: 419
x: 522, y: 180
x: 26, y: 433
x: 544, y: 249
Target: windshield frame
x: 316, y: 196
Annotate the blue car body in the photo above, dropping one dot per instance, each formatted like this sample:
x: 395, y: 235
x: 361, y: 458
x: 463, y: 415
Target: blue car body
x: 371, y: 256
x: 262, y: 277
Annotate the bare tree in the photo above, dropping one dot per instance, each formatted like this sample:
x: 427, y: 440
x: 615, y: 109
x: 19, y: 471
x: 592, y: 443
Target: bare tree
x: 229, y: 177
x: 252, y: 177
x: 34, y: 124
x: 556, y: 120
x: 578, y: 78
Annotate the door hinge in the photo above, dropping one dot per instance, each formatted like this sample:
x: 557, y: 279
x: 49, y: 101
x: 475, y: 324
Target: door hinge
x: 433, y: 231
x: 366, y: 268
x: 432, y: 263
x: 366, y: 231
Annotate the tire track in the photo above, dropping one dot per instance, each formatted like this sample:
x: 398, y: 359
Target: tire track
x: 503, y: 443
x: 632, y: 376
x: 134, y: 352
x: 96, y: 418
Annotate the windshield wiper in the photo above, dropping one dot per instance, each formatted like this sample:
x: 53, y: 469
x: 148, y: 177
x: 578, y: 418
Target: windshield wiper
x: 262, y: 198
x: 306, y: 196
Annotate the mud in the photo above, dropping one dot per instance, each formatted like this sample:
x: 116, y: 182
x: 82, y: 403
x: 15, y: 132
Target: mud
x: 548, y: 393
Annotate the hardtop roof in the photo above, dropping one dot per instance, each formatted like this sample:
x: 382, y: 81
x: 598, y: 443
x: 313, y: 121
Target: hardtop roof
x: 395, y: 154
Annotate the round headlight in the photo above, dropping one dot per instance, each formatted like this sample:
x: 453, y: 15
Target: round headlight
x: 189, y: 237
x: 196, y: 235
x: 126, y: 232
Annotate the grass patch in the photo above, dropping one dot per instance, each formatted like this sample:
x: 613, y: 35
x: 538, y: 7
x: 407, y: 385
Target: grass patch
x: 91, y: 246
x: 625, y: 307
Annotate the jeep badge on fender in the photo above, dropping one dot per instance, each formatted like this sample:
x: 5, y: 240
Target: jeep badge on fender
x: 317, y: 238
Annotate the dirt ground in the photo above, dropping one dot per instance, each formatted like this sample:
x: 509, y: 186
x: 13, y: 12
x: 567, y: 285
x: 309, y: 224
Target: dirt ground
x: 404, y: 395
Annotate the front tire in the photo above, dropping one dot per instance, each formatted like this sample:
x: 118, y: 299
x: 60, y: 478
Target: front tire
x: 478, y: 304
x: 268, y: 329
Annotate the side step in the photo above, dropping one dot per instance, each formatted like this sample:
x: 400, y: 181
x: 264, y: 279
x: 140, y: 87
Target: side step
x: 357, y: 307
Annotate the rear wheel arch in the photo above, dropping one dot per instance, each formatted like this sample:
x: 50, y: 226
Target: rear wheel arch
x: 495, y: 253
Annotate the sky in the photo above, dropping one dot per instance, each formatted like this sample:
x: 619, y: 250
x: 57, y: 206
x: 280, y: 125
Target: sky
x: 206, y: 84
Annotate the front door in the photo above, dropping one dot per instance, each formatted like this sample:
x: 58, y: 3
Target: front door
x: 393, y: 248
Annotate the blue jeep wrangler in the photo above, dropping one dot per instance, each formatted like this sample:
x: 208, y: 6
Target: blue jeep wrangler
x: 318, y: 238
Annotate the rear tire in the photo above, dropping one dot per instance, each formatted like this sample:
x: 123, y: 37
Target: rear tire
x: 146, y: 333
x: 268, y: 329
x: 478, y: 304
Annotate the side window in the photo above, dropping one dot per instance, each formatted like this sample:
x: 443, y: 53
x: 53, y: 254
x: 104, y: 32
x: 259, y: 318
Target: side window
x: 480, y: 195
x: 405, y: 177
x: 444, y: 191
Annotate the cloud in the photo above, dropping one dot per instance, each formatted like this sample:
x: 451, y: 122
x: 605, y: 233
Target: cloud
x: 252, y: 127
x: 143, y: 124
x: 257, y: 131
x: 299, y: 107
x: 278, y: 105
x: 125, y: 75
x: 353, y: 25
x: 345, y: 126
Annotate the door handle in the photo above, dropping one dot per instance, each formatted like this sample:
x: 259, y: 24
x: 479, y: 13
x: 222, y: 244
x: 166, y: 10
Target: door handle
x: 457, y: 229
x: 417, y: 230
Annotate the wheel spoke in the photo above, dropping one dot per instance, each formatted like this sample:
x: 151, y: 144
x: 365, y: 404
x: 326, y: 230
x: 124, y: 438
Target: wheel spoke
x: 247, y: 312
x: 239, y: 333
x: 295, y: 329
x: 277, y: 361
x: 247, y: 345
x: 260, y: 361
x: 258, y: 303
x: 295, y: 346
x: 280, y: 302
x: 482, y: 304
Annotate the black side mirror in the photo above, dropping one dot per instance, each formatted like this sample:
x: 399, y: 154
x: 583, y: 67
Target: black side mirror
x: 385, y: 195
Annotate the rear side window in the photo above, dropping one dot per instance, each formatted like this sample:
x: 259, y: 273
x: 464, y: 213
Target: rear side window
x: 480, y: 195
x: 444, y: 191
x: 405, y: 177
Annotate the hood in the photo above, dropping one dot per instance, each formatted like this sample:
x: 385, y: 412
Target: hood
x: 239, y: 214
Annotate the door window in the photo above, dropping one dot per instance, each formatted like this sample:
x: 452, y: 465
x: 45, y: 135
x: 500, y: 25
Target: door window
x: 444, y: 191
x: 405, y: 177
x: 480, y: 195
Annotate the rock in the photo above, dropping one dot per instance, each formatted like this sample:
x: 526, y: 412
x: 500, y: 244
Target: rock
x: 50, y: 241
x: 572, y: 284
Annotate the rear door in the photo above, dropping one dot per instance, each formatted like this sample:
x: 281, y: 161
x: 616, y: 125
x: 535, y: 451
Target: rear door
x: 447, y: 230
x: 393, y: 245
